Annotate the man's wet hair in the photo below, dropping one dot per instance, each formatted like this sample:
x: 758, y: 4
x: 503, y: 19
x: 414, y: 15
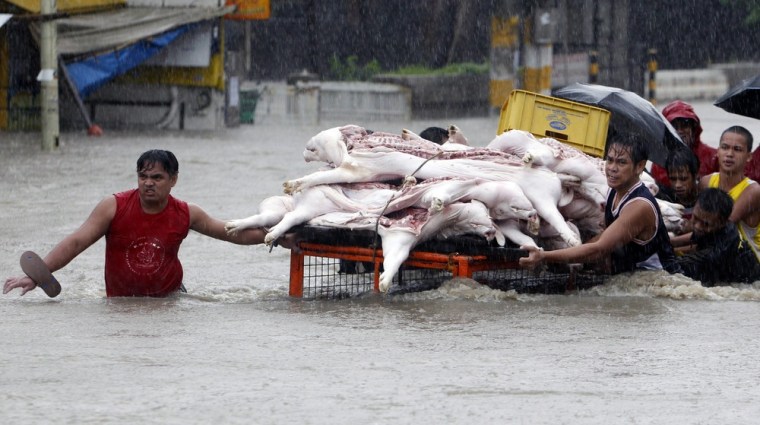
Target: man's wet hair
x: 714, y: 200
x: 742, y: 132
x: 682, y: 158
x: 154, y: 156
x: 633, y: 144
x: 435, y: 134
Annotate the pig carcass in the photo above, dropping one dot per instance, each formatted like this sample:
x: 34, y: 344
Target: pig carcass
x: 270, y: 212
x: 505, y: 200
x: 402, y: 231
x: 360, y: 157
x: 558, y: 157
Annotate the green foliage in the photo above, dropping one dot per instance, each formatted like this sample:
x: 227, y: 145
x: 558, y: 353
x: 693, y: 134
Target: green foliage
x: 750, y: 7
x: 452, y: 69
x: 350, y: 70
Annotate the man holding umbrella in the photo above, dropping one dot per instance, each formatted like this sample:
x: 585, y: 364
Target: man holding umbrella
x: 744, y: 99
x: 686, y: 122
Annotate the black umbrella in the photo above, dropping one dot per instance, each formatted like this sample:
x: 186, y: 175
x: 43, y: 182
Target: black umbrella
x: 629, y: 114
x: 742, y: 99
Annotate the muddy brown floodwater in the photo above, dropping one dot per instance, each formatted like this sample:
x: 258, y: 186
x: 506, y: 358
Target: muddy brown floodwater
x: 651, y: 348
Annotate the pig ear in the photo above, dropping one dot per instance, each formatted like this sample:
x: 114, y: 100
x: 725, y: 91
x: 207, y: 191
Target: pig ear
x: 566, y: 198
x: 335, y: 150
x: 500, y: 238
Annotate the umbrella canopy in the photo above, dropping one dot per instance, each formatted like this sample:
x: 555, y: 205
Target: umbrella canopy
x: 742, y: 99
x: 630, y: 114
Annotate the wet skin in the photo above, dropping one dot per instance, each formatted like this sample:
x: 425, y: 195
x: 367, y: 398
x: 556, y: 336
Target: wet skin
x: 154, y: 185
x: 622, y: 173
x: 704, y: 222
x: 685, y: 129
x: 732, y: 154
x: 684, y: 184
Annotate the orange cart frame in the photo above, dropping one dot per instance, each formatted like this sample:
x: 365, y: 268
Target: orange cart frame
x: 458, y: 265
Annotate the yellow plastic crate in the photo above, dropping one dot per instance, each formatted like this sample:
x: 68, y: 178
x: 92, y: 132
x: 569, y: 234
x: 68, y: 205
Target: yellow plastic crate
x: 578, y: 125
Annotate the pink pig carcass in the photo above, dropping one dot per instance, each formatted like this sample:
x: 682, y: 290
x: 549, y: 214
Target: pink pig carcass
x: 505, y: 200
x: 359, y: 157
x: 404, y: 230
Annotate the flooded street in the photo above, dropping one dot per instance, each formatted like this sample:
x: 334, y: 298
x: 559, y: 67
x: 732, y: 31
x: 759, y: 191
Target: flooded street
x: 652, y: 349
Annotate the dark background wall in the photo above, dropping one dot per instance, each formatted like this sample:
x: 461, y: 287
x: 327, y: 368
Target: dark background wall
x: 694, y: 33
x: 305, y: 34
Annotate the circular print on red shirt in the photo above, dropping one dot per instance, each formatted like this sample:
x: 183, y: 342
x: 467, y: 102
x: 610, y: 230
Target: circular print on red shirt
x: 145, y: 256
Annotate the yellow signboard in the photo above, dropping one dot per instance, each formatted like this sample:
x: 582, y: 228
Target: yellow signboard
x: 249, y: 9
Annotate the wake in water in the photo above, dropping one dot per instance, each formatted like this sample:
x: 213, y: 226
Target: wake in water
x: 655, y: 284
x: 662, y: 284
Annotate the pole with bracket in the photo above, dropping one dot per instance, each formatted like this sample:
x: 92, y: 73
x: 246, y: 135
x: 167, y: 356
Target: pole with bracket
x: 48, y: 77
x: 593, y: 68
x: 652, y: 68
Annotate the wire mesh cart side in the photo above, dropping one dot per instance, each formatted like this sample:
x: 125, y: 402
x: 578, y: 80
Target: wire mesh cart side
x: 309, y: 272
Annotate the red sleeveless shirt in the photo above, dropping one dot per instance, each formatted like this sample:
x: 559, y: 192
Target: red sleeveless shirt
x: 141, y: 248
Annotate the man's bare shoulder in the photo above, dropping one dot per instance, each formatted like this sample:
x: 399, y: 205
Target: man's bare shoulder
x: 107, y: 205
x: 704, y: 181
x: 752, y: 192
x: 195, y: 210
x: 199, y: 219
x: 746, y: 207
x: 639, y: 209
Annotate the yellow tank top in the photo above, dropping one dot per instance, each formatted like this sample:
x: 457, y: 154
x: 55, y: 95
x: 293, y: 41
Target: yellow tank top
x: 749, y: 234
x: 735, y: 191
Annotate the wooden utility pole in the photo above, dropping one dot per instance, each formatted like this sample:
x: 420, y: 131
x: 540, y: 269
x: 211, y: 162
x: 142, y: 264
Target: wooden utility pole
x: 48, y: 76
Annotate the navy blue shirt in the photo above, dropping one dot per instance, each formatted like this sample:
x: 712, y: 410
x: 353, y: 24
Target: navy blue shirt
x: 721, y: 257
x: 625, y: 258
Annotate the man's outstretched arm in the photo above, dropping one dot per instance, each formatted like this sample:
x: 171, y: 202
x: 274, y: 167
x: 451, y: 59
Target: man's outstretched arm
x: 203, y: 223
x: 72, y: 245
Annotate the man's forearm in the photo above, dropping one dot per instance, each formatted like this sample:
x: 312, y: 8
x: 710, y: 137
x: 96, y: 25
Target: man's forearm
x: 64, y: 252
x: 253, y: 236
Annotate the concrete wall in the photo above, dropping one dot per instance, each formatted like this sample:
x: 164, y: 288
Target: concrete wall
x: 700, y: 84
x: 736, y: 72
x: 689, y: 84
x: 441, y: 96
x: 342, y: 102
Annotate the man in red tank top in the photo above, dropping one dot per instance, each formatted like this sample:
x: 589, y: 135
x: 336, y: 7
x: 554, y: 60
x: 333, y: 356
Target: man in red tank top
x: 144, y: 228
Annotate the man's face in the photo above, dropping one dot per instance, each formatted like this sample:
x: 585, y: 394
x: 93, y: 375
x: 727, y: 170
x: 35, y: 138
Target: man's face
x: 704, y: 223
x: 684, y: 184
x: 619, y: 168
x: 732, y: 153
x: 686, y: 129
x: 154, y: 183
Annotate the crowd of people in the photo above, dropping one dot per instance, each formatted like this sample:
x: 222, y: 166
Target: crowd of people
x: 719, y: 194
x: 717, y: 189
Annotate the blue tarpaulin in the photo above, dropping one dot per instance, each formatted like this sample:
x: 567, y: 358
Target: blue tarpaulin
x: 90, y: 73
x: 97, y: 47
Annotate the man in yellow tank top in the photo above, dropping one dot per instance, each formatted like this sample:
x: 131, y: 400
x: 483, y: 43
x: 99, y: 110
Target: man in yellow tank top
x: 734, y: 151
